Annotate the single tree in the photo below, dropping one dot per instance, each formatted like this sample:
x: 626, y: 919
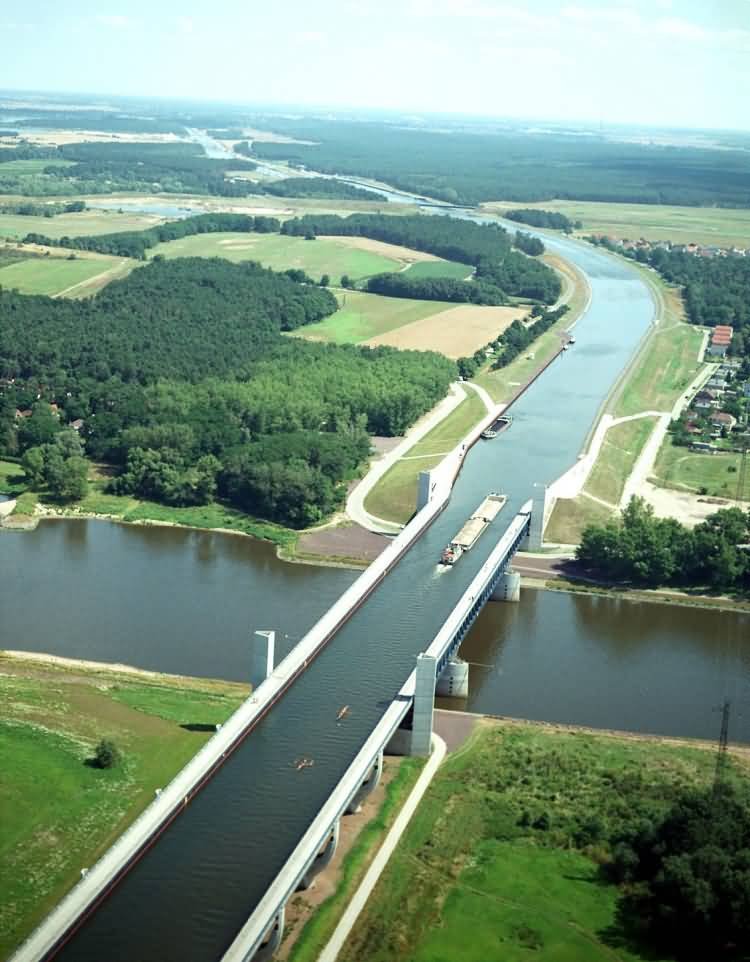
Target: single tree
x: 107, y: 754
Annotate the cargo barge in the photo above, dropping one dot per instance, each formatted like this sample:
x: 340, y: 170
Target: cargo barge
x: 499, y: 425
x: 474, y: 528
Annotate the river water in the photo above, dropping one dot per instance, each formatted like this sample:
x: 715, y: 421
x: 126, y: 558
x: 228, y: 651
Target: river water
x: 187, y: 601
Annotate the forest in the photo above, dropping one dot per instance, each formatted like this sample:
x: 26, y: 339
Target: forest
x: 435, y: 289
x: 186, y: 385
x: 715, y: 289
x: 535, y: 217
x: 469, y: 167
x: 641, y: 549
x: 136, y: 243
x: 324, y: 187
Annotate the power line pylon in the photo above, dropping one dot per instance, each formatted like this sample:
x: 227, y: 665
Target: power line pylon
x: 721, y: 754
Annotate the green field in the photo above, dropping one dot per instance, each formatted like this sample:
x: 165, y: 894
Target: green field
x: 280, y: 252
x: 28, y: 167
x: 51, y: 275
x: 497, y: 864
x: 722, y: 227
x: 59, y: 814
x: 12, y: 478
x: 570, y: 516
x: 712, y: 474
x: 452, y: 269
x: 362, y: 316
x: 394, y: 497
x: 15, y: 226
x: 617, y: 456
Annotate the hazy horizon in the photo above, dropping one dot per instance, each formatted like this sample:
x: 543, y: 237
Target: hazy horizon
x: 636, y: 63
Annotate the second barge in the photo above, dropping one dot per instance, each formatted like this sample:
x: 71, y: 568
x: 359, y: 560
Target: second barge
x: 500, y: 424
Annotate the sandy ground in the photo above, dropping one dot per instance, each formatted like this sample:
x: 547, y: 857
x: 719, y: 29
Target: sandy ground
x: 405, y: 254
x: 455, y: 332
x: 79, y: 664
x: 54, y: 138
x: 688, y: 508
x: 345, y: 542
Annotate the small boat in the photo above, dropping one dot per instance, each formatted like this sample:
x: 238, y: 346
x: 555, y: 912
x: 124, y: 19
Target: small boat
x: 499, y: 425
x: 343, y: 712
x: 303, y: 763
x: 571, y: 339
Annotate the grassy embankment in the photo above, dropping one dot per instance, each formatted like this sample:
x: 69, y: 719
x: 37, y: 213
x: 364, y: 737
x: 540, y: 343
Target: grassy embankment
x: 503, y: 383
x: 394, y: 497
x: 322, y: 920
x: 124, y: 508
x: 665, y: 365
x: 683, y: 225
x: 280, y: 252
x: 17, y: 226
x: 501, y: 857
x: 715, y: 475
x: 51, y: 719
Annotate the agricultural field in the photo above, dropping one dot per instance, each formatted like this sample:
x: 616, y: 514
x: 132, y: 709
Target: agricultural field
x: 723, y: 227
x: 51, y: 719
x: 438, y: 268
x: 456, y: 332
x: 715, y: 475
x: 16, y: 226
x: 58, y: 275
x: 280, y: 252
x: 521, y: 879
x: 362, y: 316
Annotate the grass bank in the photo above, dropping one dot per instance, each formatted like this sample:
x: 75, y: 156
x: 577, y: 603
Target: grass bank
x: 501, y: 860
x: 320, y: 926
x: 715, y: 475
x: 51, y: 718
x: 619, y: 452
x: 394, y: 497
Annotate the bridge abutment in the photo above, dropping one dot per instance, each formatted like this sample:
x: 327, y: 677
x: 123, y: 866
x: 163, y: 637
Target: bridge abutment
x: 453, y: 681
x: 533, y: 539
x: 261, y: 658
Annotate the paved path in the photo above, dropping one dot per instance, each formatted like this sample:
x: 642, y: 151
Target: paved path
x: 360, y: 897
x: 355, y: 504
x: 6, y: 507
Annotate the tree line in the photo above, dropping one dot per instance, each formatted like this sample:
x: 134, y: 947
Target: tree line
x: 519, y: 337
x: 136, y: 243
x: 185, y: 383
x: 30, y: 209
x: 640, y: 548
x: 435, y: 289
x: 535, y: 217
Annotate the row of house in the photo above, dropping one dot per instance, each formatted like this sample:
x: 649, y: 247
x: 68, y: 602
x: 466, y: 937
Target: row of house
x: 707, y: 406
x: 721, y: 338
x: 698, y: 250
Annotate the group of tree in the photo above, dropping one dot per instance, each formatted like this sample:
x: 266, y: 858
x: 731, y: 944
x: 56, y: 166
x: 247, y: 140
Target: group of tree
x: 469, y: 167
x: 59, y: 465
x: 536, y: 217
x: 27, y: 208
x: 187, y: 386
x: 527, y: 243
x: 436, y: 289
x: 519, y: 336
x: 136, y: 243
x: 640, y: 548
x: 323, y: 187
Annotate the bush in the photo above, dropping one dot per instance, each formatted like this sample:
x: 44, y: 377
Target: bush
x: 107, y: 754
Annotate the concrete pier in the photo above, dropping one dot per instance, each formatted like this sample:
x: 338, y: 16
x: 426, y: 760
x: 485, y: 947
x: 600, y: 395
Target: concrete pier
x: 508, y: 587
x: 323, y: 858
x: 273, y: 939
x: 261, y: 657
x: 453, y: 681
x: 424, y: 705
x: 533, y: 540
x: 367, y: 786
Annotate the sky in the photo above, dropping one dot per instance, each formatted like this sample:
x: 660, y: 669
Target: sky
x: 680, y: 63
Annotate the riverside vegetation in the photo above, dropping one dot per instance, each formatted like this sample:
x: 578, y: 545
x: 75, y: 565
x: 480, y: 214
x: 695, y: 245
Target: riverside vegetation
x: 573, y: 846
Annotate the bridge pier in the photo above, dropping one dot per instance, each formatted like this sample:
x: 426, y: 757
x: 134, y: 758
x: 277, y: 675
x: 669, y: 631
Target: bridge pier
x: 322, y: 859
x: 261, y: 657
x: 265, y: 952
x: 453, y: 681
x: 425, y: 488
x: 508, y: 587
x: 367, y: 786
x: 424, y: 705
x: 533, y: 539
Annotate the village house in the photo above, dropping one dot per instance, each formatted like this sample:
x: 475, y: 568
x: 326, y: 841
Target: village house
x: 720, y: 340
x: 722, y: 420
x: 706, y: 400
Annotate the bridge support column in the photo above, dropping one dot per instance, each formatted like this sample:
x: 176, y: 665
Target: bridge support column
x: 508, y: 587
x: 322, y: 859
x: 367, y: 786
x: 533, y: 539
x: 424, y: 705
x: 453, y: 681
x: 261, y: 657
x: 266, y: 951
